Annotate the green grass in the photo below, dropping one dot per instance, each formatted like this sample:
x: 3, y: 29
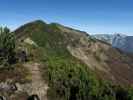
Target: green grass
x: 69, y: 78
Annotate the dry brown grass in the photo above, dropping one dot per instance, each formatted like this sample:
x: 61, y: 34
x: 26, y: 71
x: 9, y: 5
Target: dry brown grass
x: 18, y: 73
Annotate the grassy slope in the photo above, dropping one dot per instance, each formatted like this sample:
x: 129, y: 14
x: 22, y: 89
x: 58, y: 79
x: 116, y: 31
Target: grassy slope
x: 65, y: 72
x: 69, y: 78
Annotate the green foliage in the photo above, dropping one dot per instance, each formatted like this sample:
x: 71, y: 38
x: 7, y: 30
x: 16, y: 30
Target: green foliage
x: 106, y: 91
x: 52, y: 41
x: 71, y: 80
x: 91, y: 39
x: 130, y: 93
x: 7, y: 46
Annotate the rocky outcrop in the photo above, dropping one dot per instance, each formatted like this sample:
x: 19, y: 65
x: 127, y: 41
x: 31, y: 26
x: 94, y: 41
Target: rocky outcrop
x: 9, y: 91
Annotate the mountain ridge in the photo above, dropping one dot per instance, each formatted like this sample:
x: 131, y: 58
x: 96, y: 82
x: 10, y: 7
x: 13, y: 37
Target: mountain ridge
x: 55, y: 61
x: 78, y: 43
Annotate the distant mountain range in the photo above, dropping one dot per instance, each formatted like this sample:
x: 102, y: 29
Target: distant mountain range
x: 120, y: 41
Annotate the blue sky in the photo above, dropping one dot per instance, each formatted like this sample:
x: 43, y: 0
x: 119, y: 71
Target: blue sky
x: 93, y: 16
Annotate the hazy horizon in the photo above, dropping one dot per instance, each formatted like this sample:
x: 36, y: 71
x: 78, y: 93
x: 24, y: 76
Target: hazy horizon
x: 92, y: 16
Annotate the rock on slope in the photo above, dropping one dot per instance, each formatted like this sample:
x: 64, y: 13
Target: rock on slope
x: 107, y: 62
